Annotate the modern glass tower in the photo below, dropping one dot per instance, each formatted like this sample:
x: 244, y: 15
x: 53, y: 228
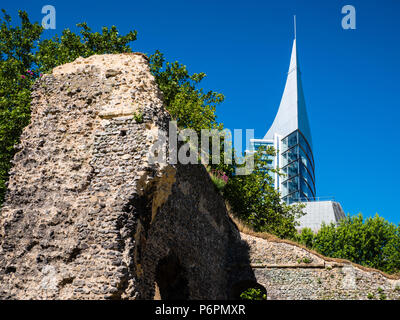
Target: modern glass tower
x: 290, y: 135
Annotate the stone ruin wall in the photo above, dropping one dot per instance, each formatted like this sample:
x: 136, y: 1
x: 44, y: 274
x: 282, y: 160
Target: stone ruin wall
x: 289, y: 271
x: 87, y: 216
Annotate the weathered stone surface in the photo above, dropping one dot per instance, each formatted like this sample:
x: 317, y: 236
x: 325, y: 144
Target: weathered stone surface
x: 87, y: 217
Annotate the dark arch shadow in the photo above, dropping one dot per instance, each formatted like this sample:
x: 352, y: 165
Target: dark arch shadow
x: 171, y: 279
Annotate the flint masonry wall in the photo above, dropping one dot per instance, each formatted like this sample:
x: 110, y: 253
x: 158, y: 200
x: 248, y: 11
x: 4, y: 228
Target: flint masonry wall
x: 87, y: 217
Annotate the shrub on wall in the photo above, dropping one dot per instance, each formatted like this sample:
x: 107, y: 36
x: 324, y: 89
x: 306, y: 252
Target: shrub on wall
x: 253, y: 294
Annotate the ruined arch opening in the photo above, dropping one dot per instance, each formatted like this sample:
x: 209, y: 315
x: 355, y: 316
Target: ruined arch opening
x: 171, y: 279
x: 239, y: 287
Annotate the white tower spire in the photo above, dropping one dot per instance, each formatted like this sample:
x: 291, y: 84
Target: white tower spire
x: 292, y: 113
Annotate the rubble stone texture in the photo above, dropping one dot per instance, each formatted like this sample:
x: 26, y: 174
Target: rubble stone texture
x: 87, y: 216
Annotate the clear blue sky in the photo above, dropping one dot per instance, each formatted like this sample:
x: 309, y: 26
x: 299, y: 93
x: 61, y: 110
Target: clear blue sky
x: 350, y: 77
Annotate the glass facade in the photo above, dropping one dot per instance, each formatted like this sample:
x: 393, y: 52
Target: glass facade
x: 296, y: 162
x: 298, y: 183
x: 257, y: 144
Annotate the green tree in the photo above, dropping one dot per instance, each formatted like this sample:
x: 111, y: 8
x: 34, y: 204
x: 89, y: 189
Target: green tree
x: 16, y: 77
x: 69, y: 46
x: 373, y: 242
x: 188, y: 104
x: 255, y: 201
